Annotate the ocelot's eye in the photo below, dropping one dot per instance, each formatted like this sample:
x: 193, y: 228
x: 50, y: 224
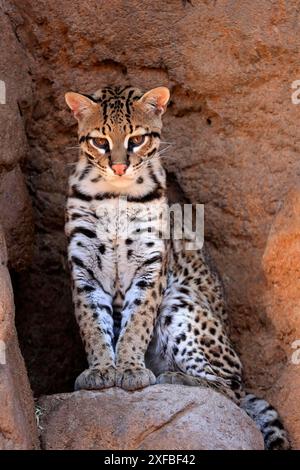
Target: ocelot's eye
x: 136, y: 141
x: 101, y: 143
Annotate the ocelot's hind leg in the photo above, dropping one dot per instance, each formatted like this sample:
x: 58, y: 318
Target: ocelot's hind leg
x: 190, y: 345
x: 181, y: 378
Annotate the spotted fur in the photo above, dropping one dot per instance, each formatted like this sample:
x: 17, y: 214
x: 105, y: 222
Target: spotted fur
x: 149, y: 310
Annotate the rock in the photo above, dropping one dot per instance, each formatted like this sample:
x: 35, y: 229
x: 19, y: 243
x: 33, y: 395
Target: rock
x: 191, y: 418
x: 281, y: 263
x: 18, y: 428
x: 16, y: 217
x: 235, y: 136
x: 15, y: 205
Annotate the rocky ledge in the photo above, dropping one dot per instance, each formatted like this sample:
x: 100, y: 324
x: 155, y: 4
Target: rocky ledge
x: 162, y: 417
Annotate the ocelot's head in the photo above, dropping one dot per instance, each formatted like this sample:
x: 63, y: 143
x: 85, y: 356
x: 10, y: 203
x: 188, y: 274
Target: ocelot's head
x: 119, y: 128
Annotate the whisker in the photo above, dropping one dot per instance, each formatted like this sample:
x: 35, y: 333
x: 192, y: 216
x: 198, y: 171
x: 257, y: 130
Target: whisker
x: 161, y: 154
x: 167, y: 157
x: 157, y: 154
x: 164, y: 149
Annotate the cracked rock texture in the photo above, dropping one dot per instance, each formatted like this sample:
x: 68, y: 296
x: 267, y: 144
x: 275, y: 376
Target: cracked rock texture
x: 160, y: 417
x: 235, y: 134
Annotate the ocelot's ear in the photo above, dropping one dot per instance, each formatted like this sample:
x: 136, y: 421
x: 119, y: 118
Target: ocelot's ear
x: 156, y: 99
x: 79, y: 104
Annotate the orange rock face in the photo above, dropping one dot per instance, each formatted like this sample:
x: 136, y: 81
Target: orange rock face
x: 191, y: 418
x: 235, y: 135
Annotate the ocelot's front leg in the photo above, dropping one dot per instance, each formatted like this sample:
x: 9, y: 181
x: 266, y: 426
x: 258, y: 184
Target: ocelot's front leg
x: 93, y: 311
x: 142, y: 301
x: 94, y: 316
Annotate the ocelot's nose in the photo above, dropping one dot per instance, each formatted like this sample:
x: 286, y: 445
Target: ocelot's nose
x: 119, y: 168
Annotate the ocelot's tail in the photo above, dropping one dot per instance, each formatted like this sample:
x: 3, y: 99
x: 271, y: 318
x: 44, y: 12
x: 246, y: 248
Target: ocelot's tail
x: 268, y: 421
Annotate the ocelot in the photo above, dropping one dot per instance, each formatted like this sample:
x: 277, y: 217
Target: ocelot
x: 149, y: 310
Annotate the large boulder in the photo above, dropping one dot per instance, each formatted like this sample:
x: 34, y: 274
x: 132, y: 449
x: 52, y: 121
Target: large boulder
x: 162, y: 417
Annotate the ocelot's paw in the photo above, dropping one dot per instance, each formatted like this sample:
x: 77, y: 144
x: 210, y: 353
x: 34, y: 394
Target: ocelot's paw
x: 96, y: 378
x: 134, y: 379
